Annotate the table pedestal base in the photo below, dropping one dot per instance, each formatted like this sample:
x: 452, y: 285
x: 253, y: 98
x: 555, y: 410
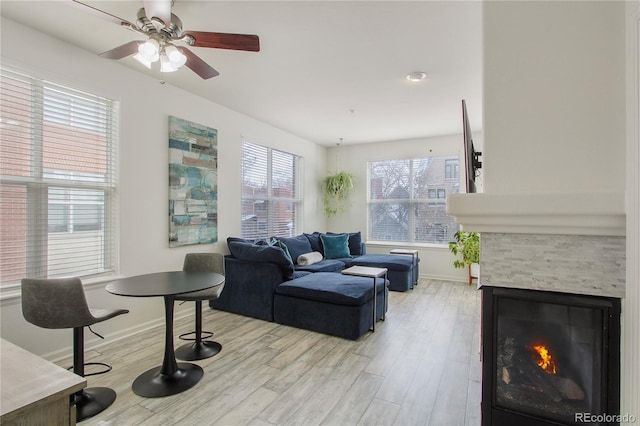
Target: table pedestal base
x: 153, y: 384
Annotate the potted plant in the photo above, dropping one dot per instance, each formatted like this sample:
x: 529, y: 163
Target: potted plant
x: 467, y: 245
x: 336, y: 188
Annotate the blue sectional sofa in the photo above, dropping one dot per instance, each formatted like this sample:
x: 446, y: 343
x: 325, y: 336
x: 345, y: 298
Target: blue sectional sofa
x: 264, y: 280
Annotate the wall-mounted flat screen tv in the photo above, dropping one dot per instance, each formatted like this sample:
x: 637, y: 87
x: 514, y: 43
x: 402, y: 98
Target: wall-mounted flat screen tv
x: 471, y: 156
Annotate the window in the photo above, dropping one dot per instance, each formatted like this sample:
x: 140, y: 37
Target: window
x: 57, y: 180
x: 437, y: 193
x: 73, y: 210
x: 451, y: 169
x: 271, y: 192
x: 407, y: 200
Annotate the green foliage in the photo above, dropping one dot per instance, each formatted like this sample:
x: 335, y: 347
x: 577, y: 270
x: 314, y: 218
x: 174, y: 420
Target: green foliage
x: 336, y: 188
x: 467, y: 244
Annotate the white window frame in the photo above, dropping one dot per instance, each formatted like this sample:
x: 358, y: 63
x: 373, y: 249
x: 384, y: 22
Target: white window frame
x: 434, y: 196
x: 58, y: 254
x: 266, y: 229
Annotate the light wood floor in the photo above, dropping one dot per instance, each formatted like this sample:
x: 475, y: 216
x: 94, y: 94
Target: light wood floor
x: 420, y: 367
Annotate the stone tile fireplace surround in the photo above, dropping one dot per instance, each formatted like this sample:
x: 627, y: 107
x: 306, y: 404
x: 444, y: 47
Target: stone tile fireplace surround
x: 568, y: 244
x: 571, y: 243
x: 576, y: 264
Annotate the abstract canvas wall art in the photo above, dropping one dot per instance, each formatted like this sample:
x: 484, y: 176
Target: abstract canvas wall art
x: 193, y: 183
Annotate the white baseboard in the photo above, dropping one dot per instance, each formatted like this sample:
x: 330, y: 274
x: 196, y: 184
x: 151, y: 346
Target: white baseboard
x: 443, y: 278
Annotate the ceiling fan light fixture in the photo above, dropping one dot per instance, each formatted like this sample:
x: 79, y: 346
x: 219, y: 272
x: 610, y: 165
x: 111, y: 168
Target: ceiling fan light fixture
x: 138, y: 57
x: 175, y: 56
x: 149, y: 50
x: 166, y: 65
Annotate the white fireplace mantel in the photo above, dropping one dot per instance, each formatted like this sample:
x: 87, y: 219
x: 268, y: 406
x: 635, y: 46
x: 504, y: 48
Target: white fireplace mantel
x: 549, y: 213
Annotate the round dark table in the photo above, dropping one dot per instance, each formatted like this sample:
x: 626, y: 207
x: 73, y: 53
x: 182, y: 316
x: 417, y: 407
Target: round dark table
x: 171, y: 377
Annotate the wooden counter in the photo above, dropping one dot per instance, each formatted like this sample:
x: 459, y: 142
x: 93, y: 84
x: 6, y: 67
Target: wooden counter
x: 34, y: 391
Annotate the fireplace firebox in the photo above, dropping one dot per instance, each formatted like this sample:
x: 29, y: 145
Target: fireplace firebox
x: 549, y: 358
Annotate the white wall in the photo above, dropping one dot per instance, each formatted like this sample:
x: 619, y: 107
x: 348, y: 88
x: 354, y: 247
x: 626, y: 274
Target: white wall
x: 143, y: 203
x: 436, y: 261
x: 554, y: 96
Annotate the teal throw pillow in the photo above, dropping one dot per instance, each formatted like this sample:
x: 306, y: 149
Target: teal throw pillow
x: 277, y: 243
x: 335, y: 246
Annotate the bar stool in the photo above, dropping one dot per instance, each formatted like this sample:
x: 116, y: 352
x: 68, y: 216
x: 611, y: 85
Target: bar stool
x: 200, y: 348
x: 61, y: 303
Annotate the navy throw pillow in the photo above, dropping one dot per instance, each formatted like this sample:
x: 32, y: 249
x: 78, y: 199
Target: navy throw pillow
x: 246, y: 240
x: 355, y: 243
x: 316, y: 243
x: 335, y: 246
x: 297, y: 245
x: 261, y: 253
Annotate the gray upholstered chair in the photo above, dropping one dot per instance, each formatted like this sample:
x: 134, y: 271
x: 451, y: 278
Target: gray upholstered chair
x: 61, y: 303
x: 200, y: 348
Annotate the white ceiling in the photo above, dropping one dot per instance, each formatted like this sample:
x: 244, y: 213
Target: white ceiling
x: 326, y: 70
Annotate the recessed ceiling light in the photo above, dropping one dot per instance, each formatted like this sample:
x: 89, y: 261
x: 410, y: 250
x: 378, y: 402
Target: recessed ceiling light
x: 416, y: 76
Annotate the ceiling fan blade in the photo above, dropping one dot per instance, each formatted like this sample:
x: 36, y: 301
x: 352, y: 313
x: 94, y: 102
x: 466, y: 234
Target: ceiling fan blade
x: 160, y: 9
x: 247, y: 42
x: 122, y: 51
x: 197, y: 65
x: 105, y: 15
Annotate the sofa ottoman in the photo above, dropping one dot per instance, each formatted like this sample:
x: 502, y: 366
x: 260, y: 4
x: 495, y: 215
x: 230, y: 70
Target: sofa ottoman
x: 330, y: 303
x: 400, y: 268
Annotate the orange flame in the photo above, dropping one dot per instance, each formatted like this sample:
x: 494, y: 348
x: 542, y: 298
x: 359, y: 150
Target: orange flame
x: 544, y: 359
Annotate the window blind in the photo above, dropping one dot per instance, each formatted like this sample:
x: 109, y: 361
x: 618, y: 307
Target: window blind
x: 407, y: 199
x: 58, y: 180
x: 271, y: 192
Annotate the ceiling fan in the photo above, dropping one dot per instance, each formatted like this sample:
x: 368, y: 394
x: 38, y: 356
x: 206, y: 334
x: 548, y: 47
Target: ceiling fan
x: 163, y: 30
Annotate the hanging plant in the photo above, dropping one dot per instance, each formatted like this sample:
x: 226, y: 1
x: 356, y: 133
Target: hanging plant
x: 336, y: 188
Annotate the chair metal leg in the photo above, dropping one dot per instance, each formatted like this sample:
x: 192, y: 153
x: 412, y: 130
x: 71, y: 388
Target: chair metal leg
x: 198, y: 334
x: 199, y: 349
x: 89, y: 401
